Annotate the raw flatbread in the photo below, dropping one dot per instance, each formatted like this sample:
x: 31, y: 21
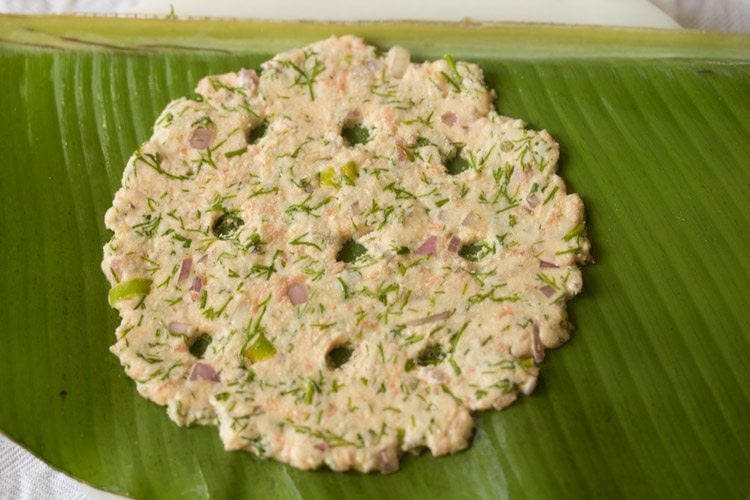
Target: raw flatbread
x: 342, y: 258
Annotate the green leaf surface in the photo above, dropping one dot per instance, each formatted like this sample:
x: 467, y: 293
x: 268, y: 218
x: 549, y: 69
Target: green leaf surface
x: 651, y: 397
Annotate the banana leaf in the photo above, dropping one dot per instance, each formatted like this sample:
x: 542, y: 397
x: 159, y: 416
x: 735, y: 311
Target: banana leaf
x: 650, y: 398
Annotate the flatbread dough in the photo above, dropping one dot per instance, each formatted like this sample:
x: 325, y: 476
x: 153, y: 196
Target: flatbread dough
x: 342, y: 258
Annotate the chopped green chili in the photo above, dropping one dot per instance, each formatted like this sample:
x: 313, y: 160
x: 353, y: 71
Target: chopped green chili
x: 259, y: 350
x: 130, y: 288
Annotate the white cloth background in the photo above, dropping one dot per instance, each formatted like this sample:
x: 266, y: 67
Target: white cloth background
x: 718, y: 15
x: 23, y: 476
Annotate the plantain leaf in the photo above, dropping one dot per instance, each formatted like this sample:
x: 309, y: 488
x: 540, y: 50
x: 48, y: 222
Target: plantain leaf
x: 651, y: 397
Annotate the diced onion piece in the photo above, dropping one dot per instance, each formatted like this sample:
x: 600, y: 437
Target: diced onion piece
x: 297, y: 293
x: 259, y: 350
x: 130, y: 288
x: 547, y: 265
x: 197, y: 284
x: 454, y: 244
x: 185, y: 268
x: 449, y: 118
x: 201, y: 138
x: 547, y: 290
x: 529, y: 386
x: 179, y: 327
x: 532, y: 200
x: 470, y: 220
x: 387, y: 460
x: 428, y: 247
x: 202, y: 371
x: 248, y: 78
x: 397, y: 61
x: 537, y: 348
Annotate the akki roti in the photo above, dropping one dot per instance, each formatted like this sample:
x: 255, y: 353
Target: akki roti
x: 341, y: 257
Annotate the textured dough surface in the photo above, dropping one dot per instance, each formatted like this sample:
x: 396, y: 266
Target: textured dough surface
x: 239, y: 306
